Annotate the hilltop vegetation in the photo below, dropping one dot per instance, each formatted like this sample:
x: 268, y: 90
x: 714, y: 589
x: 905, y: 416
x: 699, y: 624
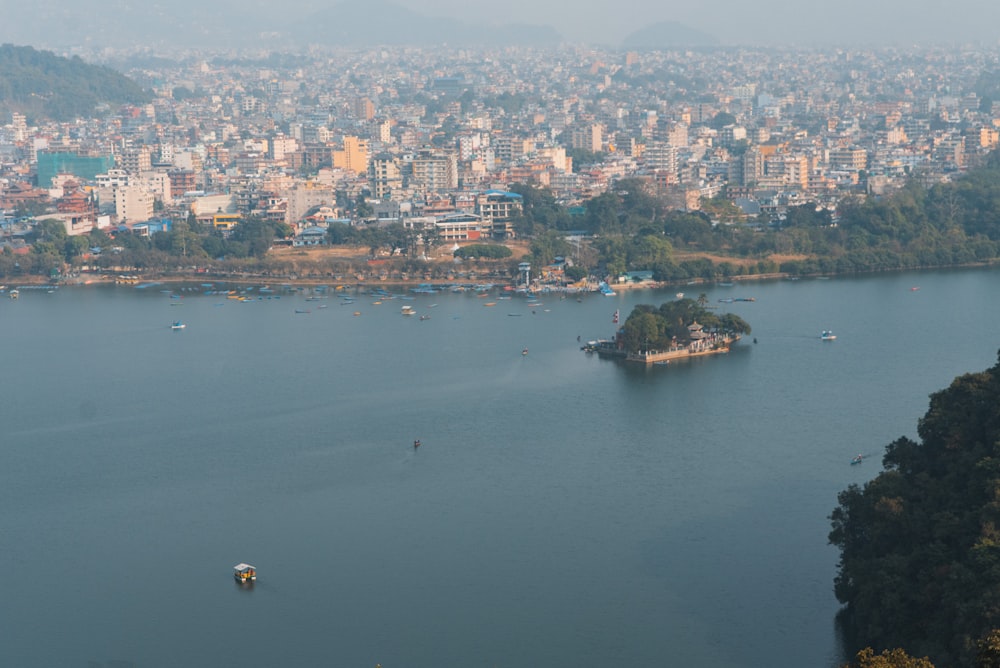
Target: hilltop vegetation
x: 41, y: 84
x: 920, y: 544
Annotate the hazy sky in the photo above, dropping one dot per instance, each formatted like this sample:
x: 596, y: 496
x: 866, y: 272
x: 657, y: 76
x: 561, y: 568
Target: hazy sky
x: 760, y: 22
x: 739, y: 21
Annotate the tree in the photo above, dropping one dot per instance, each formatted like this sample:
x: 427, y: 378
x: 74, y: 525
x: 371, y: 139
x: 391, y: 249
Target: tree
x: 920, y: 544
x: 574, y: 273
x: 486, y: 251
x: 74, y: 247
x: 50, y: 229
x: 432, y: 239
x: 339, y: 233
x: 401, y: 239
x: 547, y: 246
x: 641, y: 331
x: 721, y: 120
x: 602, y: 214
x: 988, y: 655
x: 539, y: 209
x: 895, y: 658
x: 363, y: 209
x: 648, y: 251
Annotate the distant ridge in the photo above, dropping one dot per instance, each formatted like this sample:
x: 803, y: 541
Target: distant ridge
x: 383, y: 23
x: 667, y: 35
x: 42, y: 84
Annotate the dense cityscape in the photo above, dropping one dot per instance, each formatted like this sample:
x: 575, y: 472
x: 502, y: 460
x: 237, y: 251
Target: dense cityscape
x: 435, y: 138
x: 602, y: 167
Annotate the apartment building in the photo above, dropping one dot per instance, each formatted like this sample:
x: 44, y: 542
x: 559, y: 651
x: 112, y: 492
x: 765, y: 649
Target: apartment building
x: 435, y: 171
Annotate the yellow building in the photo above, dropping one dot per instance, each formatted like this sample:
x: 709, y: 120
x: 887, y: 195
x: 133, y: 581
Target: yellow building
x: 353, y: 157
x: 225, y: 221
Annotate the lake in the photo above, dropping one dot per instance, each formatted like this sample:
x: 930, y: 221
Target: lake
x: 562, y: 510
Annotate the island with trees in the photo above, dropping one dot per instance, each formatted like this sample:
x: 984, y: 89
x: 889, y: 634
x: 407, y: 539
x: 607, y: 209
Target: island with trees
x: 678, y: 329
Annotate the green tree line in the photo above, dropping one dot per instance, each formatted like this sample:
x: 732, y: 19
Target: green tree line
x: 187, y: 243
x: 946, y: 224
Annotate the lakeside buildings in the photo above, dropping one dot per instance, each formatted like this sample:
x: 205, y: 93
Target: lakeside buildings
x: 436, y: 136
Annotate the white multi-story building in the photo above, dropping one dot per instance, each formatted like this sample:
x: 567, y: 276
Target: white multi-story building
x: 384, y: 176
x: 435, y: 171
x: 660, y: 155
x: 133, y: 204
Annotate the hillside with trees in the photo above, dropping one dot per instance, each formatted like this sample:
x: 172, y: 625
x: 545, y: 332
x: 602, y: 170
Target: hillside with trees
x: 920, y: 544
x: 40, y: 84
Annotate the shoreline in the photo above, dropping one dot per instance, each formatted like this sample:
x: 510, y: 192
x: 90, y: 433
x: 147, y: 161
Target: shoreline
x: 83, y: 279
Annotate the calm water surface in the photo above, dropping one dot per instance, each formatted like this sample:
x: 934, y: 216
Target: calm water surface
x: 563, y: 510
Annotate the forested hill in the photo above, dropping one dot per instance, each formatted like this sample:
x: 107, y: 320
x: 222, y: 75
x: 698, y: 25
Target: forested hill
x: 41, y: 84
x: 920, y: 543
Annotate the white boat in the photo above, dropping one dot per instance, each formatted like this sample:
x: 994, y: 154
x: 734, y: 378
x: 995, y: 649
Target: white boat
x: 178, y: 325
x: 245, y: 573
x: 827, y: 335
x: 407, y: 310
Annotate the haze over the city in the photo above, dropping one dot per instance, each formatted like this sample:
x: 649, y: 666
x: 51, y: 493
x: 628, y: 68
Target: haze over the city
x: 59, y: 23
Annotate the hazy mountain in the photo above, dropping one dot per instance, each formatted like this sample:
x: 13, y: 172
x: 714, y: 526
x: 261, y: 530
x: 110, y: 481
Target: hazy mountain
x: 666, y: 35
x: 41, y: 84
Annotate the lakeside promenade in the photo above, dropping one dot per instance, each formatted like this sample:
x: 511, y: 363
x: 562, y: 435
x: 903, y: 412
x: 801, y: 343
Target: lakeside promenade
x: 192, y: 277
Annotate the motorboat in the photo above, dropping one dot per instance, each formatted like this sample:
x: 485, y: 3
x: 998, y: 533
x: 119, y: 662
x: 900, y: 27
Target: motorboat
x: 245, y: 573
x: 827, y: 335
x: 177, y: 324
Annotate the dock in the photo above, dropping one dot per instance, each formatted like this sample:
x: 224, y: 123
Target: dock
x: 694, y: 350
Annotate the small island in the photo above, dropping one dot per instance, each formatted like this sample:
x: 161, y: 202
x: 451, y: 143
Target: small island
x: 676, y: 330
